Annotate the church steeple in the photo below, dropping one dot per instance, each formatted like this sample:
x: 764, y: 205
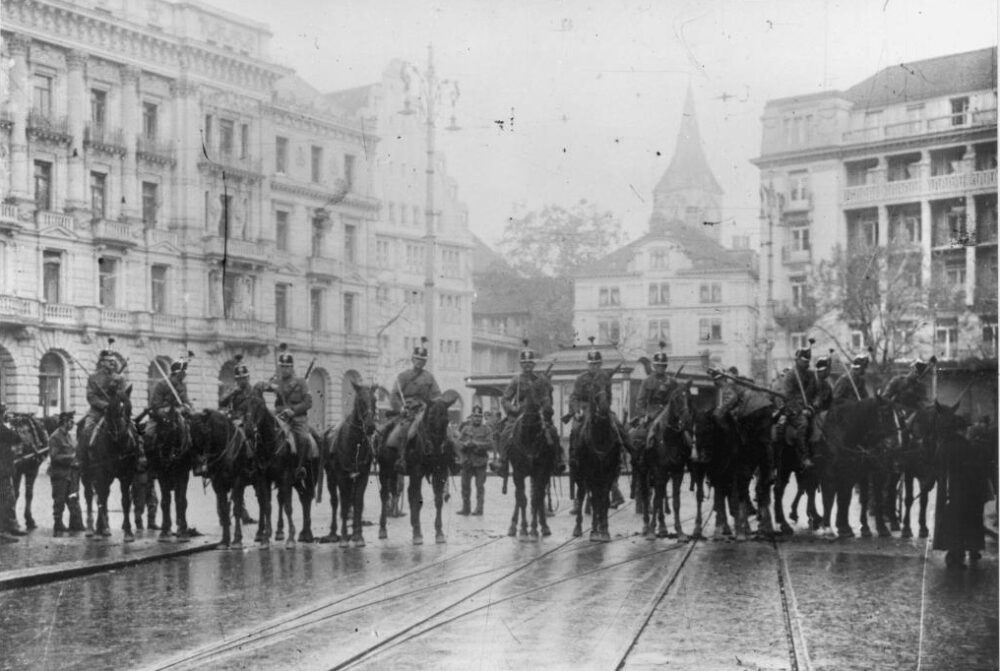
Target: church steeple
x: 688, y: 191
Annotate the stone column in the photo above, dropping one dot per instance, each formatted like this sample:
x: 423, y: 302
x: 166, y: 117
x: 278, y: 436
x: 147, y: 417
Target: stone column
x: 926, y: 242
x: 970, y: 248
x: 131, y: 208
x: 76, y: 198
x: 20, y: 103
x: 188, y: 199
x: 882, y: 235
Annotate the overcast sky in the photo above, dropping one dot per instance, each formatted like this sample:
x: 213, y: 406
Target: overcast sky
x: 596, y: 88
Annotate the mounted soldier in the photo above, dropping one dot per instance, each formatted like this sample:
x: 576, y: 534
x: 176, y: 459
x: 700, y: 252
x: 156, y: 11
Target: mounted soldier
x: 64, y: 472
x: 412, y: 392
x: 101, y: 384
x: 907, y: 390
x: 539, y: 387
x: 475, y: 442
x: 800, y: 391
x: 654, y: 393
x: 292, y: 407
x: 587, y: 386
x: 822, y: 400
x: 170, y: 404
x: 851, y: 385
x: 235, y: 403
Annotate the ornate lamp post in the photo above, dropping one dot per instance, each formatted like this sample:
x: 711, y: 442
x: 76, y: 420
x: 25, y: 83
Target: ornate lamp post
x: 427, y: 88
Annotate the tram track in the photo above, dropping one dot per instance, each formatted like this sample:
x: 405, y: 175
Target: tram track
x: 798, y: 652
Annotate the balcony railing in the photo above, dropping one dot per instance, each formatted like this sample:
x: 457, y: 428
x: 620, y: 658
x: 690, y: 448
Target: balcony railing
x: 51, y: 219
x: 790, y: 256
x: 10, y: 220
x: 250, y: 251
x: 16, y: 309
x: 914, y: 189
x: 154, y: 150
x: 46, y: 126
x: 56, y: 312
x: 157, y: 236
x: 323, y: 267
x: 120, y: 319
x: 909, y: 128
x: 116, y: 233
x: 102, y: 138
x: 241, y: 330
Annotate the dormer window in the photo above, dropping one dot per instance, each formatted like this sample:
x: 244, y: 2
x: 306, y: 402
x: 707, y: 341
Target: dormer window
x: 659, y: 259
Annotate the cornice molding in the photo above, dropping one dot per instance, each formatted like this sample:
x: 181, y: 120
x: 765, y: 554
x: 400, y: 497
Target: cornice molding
x: 310, y: 121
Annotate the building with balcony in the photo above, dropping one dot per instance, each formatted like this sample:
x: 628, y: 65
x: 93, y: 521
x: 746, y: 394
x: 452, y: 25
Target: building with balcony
x: 904, y: 162
x: 168, y: 185
x: 676, y: 283
x: 397, y: 243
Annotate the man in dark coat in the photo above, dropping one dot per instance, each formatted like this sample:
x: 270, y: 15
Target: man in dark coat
x: 907, y: 390
x: 475, y: 442
x: 654, y: 393
x: 962, y: 492
x: 412, y: 392
x: 64, y: 473
x: 800, y: 390
x: 851, y: 385
x: 9, y: 528
x: 292, y: 406
x: 169, y: 403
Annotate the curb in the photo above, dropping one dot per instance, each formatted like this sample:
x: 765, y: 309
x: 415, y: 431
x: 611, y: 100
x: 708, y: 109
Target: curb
x: 40, y: 575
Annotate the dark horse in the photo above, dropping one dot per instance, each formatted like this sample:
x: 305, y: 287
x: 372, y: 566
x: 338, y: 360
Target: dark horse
x: 431, y: 455
x: 227, y: 459
x: 530, y: 456
x: 27, y: 460
x: 171, y: 458
x: 665, y: 457
x: 112, y: 453
x: 598, y: 455
x: 853, y: 450
x: 347, y: 454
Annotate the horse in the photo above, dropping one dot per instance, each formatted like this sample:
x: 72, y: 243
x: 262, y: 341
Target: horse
x: 718, y: 463
x: 111, y: 452
x: 347, y: 455
x: 598, y: 456
x: 531, y: 457
x: 430, y: 454
x: 919, y: 460
x: 228, y: 463
x: 665, y: 457
x: 852, y: 447
x: 27, y: 460
x: 171, y: 458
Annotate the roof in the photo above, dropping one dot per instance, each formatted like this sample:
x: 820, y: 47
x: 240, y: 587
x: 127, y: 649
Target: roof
x: 352, y: 101
x: 930, y: 78
x: 485, y: 259
x: 688, y: 168
x: 705, y: 253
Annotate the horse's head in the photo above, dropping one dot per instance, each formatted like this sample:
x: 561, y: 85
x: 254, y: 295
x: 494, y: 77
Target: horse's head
x: 435, y: 422
x: 680, y: 412
x: 364, y: 407
x: 600, y: 404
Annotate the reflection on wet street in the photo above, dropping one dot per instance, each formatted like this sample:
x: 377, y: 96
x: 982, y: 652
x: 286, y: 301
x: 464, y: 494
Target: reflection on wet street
x: 485, y: 601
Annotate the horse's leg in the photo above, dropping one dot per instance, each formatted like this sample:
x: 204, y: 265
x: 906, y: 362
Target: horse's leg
x: 126, y: 488
x: 926, y: 485
x: 29, y: 494
x: 882, y: 504
x: 166, y: 522
x: 643, y: 495
x: 793, y: 513
x: 289, y: 498
x: 416, y: 502
x: 222, y: 510
x: 386, y: 486
x: 359, y: 485
x: 661, y: 507
x: 263, y: 489
x: 699, y: 497
x: 307, y: 491
x: 578, y: 508
x: 720, y: 495
x: 864, y: 496
x: 332, y: 490
x: 180, y: 501
x: 905, y: 530
x: 676, y: 479
x: 780, y: 484
x: 542, y: 484
x: 282, y: 490
x: 439, y: 482
x: 518, y: 496
x: 522, y: 502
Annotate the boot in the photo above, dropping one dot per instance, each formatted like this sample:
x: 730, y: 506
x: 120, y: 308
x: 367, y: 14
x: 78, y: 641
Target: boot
x: 616, y: 496
x: 465, y: 506
x: 479, y: 505
x: 76, y: 521
x: 59, y: 529
x: 151, y: 519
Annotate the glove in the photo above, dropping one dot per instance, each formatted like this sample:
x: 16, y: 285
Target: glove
x: 186, y: 410
x: 578, y: 415
x: 285, y: 415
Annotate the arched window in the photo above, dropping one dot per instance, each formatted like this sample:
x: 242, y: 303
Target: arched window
x: 51, y: 384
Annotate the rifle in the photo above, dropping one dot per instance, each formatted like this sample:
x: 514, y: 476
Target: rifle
x: 40, y: 453
x: 751, y: 385
x: 309, y: 370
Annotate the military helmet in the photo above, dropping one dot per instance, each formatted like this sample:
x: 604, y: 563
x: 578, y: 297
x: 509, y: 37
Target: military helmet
x: 734, y: 371
x: 477, y: 411
x: 715, y: 374
x: 920, y: 366
x: 805, y: 352
x: 285, y: 357
x: 108, y: 353
x: 420, y: 351
x: 69, y: 414
x: 240, y: 370
x: 860, y: 361
x: 528, y: 354
x: 180, y: 366
x: 823, y: 363
x: 660, y: 358
x: 593, y: 354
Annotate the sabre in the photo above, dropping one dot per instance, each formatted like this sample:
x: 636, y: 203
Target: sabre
x: 849, y: 377
x: 751, y: 385
x: 39, y: 453
x: 166, y: 379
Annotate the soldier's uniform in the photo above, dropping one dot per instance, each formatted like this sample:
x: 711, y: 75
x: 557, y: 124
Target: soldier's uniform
x: 528, y: 384
x: 907, y: 390
x: 654, y: 393
x: 166, y: 406
x: 799, y: 389
x: 853, y: 379
x: 587, y: 386
x: 822, y: 399
x: 292, y: 405
x: 745, y: 412
x: 100, y: 386
x: 8, y: 518
x: 64, y: 473
x: 475, y: 441
x: 236, y: 405
x: 412, y: 392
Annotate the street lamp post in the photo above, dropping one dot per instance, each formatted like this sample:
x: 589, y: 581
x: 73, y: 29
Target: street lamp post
x: 430, y: 89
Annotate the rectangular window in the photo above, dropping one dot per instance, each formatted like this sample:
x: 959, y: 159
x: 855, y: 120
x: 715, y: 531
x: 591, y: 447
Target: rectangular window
x: 150, y: 120
x: 43, y: 95
x: 225, y: 202
x: 43, y: 185
x: 150, y: 203
x: 959, y: 111
x: 316, y: 170
x: 108, y: 276
x: 281, y: 306
x: 659, y: 293
x: 800, y: 292
x: 416, y: 215
x: 989, y: 336
x: 381, y: 295
x: 710, y: 329
x: 798, y: 186
x: 608, y: 296
x: 281, y: 155
x: 244, y: 140
x: 798, y: 341
x: 318, y: 234
x: 659, y: 330
x: 281, y: 230
x: 392, y: 213
x: 158, y: 289
x: 52, y: 269
x: 710, y: 292
x: 227, y: 132
x: 905, y: 230
x: 946, y: 341
x: 209, y: 135
x: 800, y: 238
x: 98, y: 108
x: 349, y: 161
x: 98, y: 195
x: 350, y: 243
x: 414, y: 258
x: 316, y: 309
x: 608, y: 331
x: 382, y: 253
x: 350, y: 325
x: 857, y: 341
x: 658, y: 259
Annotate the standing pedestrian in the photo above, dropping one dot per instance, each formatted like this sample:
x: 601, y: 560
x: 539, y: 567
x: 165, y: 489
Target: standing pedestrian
x: 64, y: 473
x: 962, y: 492
x: 9, y: 530
x: 475, y: 442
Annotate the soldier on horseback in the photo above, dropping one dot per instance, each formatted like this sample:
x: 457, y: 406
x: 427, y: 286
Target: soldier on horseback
x: 800, y: 390
x: 235, y: 404
x: 101, y: 384
x: 654, y: 394
x: 587, y: 386
x: 524, y: 384
x: 851, y: 385
x: 292, y: 406
x: 412, y: 393
x: 170, y: 404
x: 907, y: 390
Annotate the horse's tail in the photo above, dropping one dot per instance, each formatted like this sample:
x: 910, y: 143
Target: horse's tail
x: 319, y: 484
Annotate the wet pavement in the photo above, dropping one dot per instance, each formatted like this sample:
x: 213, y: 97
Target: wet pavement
x: 485, y: 601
